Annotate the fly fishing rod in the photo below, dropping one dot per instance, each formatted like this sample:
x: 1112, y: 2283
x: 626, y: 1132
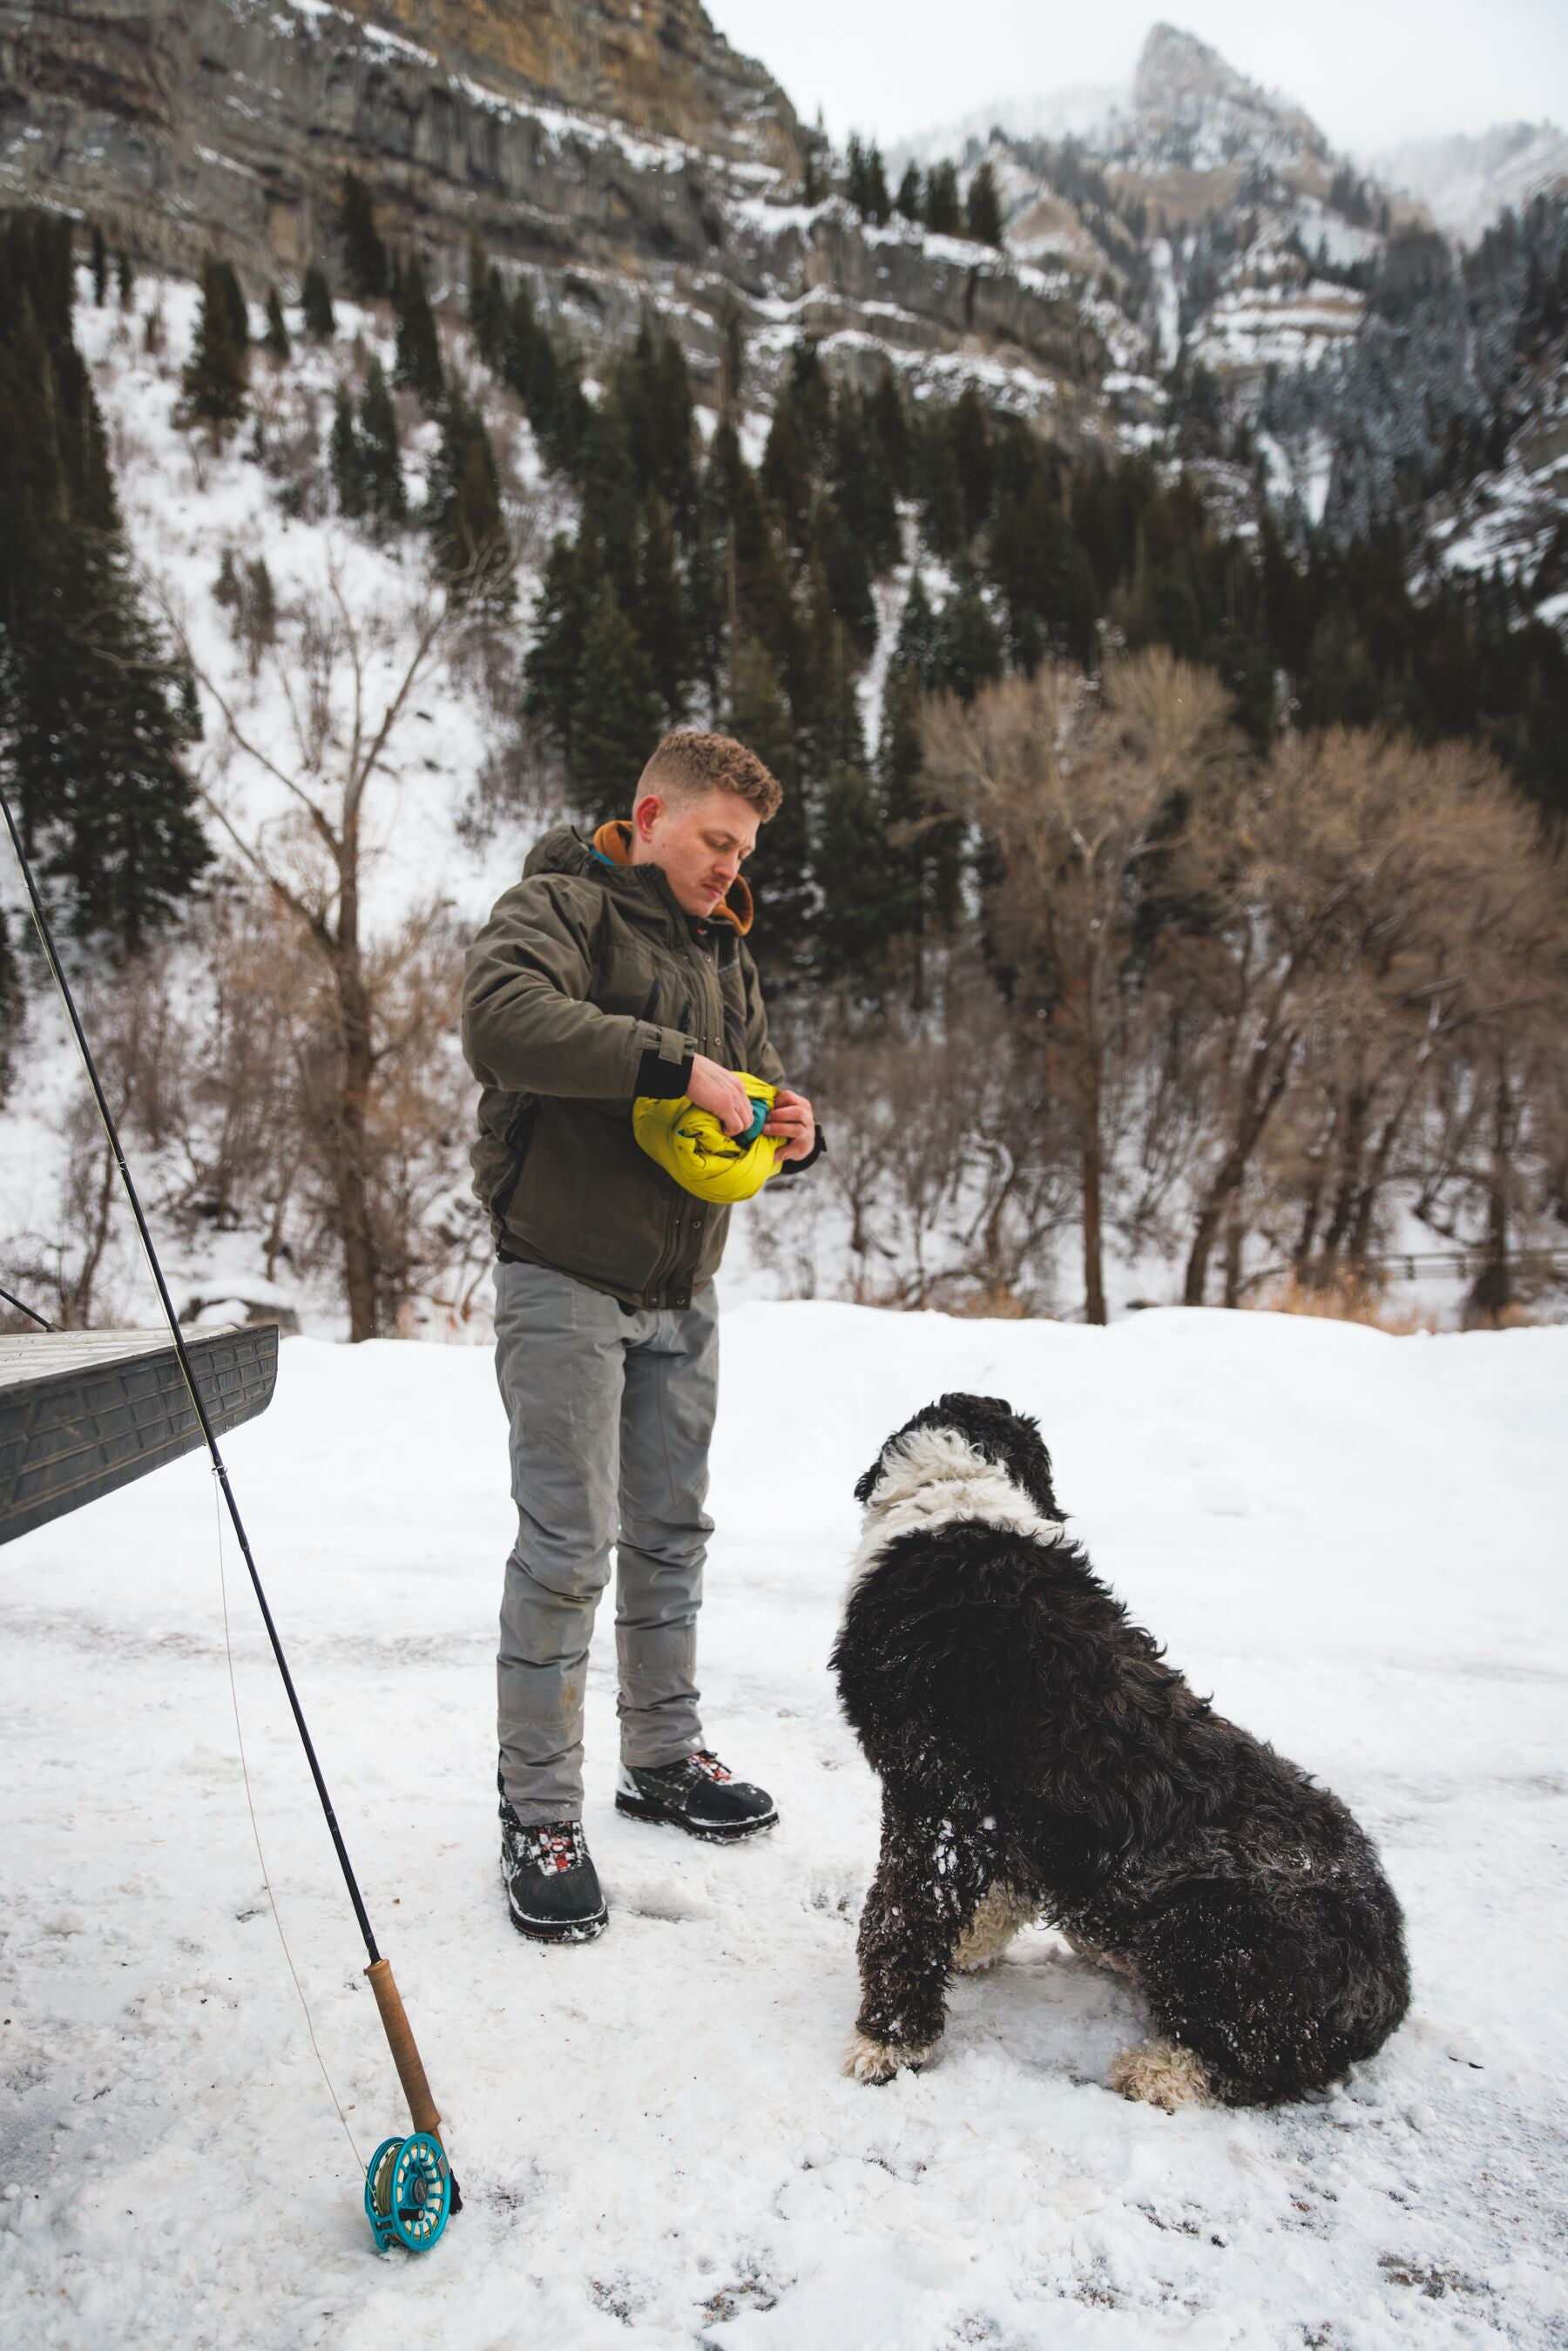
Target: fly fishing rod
x: 409, y: 2187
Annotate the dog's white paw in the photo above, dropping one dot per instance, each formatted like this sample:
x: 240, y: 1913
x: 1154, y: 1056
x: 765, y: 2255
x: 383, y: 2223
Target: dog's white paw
x: 878, y: 2061
x: 1161, y: 2073
x: 999, y: 1915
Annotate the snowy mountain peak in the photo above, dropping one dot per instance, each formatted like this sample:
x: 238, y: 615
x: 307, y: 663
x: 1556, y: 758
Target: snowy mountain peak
x: 1191, y: 108
x: 1178, y: 66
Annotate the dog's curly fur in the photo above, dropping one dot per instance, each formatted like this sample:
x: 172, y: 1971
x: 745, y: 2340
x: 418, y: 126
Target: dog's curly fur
x: 1039, y: 1760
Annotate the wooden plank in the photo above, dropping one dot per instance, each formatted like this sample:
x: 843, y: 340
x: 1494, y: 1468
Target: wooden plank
x: 84, y: 1413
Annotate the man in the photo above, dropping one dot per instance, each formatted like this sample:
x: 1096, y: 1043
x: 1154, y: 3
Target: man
x: 615, y: 968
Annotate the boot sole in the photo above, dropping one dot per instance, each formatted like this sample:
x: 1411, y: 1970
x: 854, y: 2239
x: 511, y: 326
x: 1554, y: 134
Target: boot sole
x: 662, y: 1816
x: 572, y: 1930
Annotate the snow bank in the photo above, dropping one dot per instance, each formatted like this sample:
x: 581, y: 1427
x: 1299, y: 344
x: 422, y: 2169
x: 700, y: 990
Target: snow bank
x: 1354, y: 1542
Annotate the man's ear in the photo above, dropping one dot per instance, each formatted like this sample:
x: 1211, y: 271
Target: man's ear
x: 645, y: 815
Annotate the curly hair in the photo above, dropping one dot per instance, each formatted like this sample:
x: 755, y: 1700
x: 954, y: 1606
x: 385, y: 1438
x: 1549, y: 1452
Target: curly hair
x: 688, y: 763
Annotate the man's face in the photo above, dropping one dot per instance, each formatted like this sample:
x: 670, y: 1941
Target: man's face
x: 700, y: 843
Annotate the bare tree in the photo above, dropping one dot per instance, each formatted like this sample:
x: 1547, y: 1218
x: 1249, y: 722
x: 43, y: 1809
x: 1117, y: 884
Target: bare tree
x: 347, y: 675
x: 1361, y: 893
x: 1082, y: 786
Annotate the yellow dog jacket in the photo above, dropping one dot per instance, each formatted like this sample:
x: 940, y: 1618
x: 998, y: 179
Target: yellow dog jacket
x: 691, y: 1145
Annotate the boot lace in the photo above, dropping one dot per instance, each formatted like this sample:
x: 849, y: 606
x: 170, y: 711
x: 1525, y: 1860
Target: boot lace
x: 561, y: 1846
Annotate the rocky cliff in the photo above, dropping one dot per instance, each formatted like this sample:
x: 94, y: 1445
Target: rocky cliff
x: 620, y: 149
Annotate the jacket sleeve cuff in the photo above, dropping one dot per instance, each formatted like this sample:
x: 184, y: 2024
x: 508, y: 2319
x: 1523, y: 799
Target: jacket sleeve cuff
x: 798, y: 1166
x: 665, y: 1068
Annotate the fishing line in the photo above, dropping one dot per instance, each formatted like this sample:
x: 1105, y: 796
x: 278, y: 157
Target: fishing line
x: 255, y: 1832
x: 409, y: 2187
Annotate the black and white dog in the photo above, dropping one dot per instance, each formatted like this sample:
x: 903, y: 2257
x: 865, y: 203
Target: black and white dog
x: 1038, y: 1760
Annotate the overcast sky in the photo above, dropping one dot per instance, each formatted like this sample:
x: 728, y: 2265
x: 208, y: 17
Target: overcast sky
x: 1371, y: 72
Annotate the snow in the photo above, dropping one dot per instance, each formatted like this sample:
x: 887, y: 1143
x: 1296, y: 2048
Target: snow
x: 1353, y: 1540
x: 184, y: 500
x: 1166, y: 303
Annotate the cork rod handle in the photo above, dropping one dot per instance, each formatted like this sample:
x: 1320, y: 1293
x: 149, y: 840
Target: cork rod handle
x: 405, y: 2054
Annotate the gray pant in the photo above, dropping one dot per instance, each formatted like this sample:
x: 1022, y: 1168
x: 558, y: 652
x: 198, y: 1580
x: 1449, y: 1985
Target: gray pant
x: 611, y: 1412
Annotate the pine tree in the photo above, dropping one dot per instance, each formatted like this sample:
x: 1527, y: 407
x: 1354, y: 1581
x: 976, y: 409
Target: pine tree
x: 878, y: 205
x: 226, y: 587
x: 915, y: 648
x: 95, y: 716
x: 984, y: 207
x: 651, y: 389
x: 558, y: 409
x: 100, y: 263
x: 278, y: 346
x: 315, y: 300
x: 418, y: 362
x: 616, y: 717
x: 867, y: 896
x: 234, y: 298
x: 889, y: 427
x: 925, y: 850
x: 967, y: 649
x: 385, y: 495
x: 124, y: 277
x: 345, y: 460
x: 567, y: 599
x: 856, y: 174
x: 911, y: 841
x: 657, y: 611
x: 862, y: 483
x: 787, y: 469
x: 609, y: 500
x: 779, y: 870
x: 820, y: 674
x: 480, y: 315
x: 488, y: 308
x: 217, y: 375
x: 942, y: 214
x: 365, y: 266
x: 516, y: 355
x: 973, y: 449
x: 934, y: 477
x: 844, y: 555
x: 464, y: 508
x: 908, y: 203
x: 259, y: 610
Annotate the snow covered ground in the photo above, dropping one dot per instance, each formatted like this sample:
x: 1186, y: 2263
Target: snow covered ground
x: 1354, y: 1542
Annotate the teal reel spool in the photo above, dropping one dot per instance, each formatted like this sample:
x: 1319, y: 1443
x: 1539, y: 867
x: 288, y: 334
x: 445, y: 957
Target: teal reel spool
x: 408, y: 2192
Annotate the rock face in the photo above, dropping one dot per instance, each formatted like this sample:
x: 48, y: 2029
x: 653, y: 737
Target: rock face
x: 230, y: 121
x: 618, y: 149
x: 656, y: 66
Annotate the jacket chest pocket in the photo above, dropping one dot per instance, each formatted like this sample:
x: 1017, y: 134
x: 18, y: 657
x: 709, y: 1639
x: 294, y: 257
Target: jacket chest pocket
x: 689, y: 999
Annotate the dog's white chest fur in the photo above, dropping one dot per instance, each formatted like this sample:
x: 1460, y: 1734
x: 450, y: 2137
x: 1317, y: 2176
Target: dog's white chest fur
x: 933, y: 1477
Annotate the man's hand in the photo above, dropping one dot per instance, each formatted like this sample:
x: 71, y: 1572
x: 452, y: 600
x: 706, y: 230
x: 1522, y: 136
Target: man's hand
x: 719, y: 1091
x: 792, y: 1115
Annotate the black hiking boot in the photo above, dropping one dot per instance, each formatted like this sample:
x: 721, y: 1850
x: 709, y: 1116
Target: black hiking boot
x: 552, y: 1886
x: 696, y: 1794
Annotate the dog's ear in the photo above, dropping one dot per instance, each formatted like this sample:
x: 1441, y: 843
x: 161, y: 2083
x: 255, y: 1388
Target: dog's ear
x: 864, y: 1486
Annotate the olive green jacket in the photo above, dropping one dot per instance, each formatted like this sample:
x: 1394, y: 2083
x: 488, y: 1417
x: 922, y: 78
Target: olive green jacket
x: 589, y: 985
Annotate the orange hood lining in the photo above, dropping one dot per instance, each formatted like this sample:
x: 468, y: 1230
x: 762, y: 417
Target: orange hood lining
x: 613, y: 842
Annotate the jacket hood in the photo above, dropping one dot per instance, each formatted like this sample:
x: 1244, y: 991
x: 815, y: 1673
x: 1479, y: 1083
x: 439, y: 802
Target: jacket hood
x: 564, y: 850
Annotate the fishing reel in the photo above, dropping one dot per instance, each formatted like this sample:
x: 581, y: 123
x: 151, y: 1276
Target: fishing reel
x: 408, y: 2192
